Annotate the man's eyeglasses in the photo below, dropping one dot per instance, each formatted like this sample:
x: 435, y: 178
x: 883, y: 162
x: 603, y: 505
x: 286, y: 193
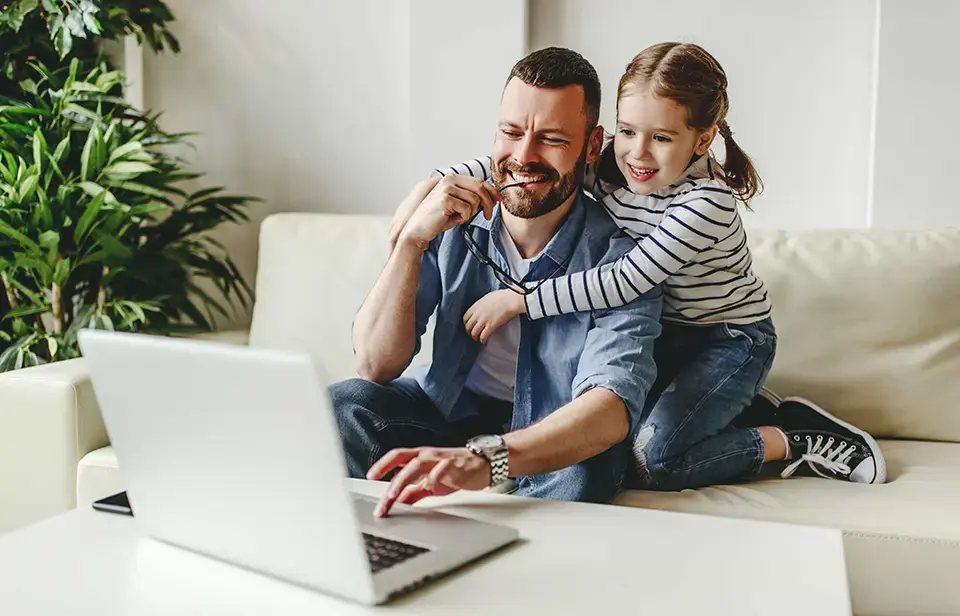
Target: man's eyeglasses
x: 503, y: 276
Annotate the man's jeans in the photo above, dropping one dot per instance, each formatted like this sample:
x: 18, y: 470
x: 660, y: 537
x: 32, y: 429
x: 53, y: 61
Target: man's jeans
x: 375, y: 418
x: 706, y: 376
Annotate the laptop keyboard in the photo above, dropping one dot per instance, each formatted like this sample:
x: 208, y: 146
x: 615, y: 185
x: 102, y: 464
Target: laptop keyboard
x: 385, y: 553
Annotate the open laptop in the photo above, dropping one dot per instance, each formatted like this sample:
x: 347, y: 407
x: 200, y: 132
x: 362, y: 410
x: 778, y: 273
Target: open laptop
x: 233, y: 452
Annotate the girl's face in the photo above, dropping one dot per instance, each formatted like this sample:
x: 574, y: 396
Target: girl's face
x: 653, y: 144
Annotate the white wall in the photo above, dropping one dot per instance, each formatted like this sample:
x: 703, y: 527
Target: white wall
x: 918, y: 96
x: 461, y: 54
x: 800, y: 78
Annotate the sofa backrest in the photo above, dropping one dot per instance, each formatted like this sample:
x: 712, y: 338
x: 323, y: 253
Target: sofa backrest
x: 869, y: 325
x: 868, y: 320
x: 313, y: 273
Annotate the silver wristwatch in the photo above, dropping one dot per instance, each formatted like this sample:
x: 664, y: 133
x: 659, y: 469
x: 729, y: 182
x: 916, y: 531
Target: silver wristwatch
x: 494, y: 449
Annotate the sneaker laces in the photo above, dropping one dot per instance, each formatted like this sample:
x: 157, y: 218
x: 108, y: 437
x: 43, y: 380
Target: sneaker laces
x: 819, y: 454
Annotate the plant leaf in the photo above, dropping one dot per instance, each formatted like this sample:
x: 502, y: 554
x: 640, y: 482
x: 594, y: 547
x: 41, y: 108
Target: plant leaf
x: 22, y: 111
x: 82, y: 112
x: 106, y: 81
x: 80, y: 321
x: 28, y: 187
x: 83, y: 86
x: 202, y: 194
x: 35, y: 265
x: 63, y: 148
x: 112, y: 245
x: 125, y: 149
x: 50, y: 242
x: 61, y: 272
x: 93, y: 189
x: 39, y: 148
x: 102, y: 321
x: 26, y: 311
x: 148, y: 208
x: 63, y: 41
x: 94, y: 257
x: 143, y: 189
x: 88, y: 159
x: 13, y: 234
x: 74, y: 22
x: 123, y: 169
x: 88, y: 216
x: 33, y: 297
x: 8, y: 357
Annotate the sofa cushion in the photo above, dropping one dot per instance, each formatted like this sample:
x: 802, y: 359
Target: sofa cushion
x: 869, y: 325
x: 98, y: 476
x: 921, y: 498
x: 313, y: 273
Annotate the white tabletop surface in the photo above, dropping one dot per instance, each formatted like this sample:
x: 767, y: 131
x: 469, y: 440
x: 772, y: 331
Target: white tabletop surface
x: 572, y: 559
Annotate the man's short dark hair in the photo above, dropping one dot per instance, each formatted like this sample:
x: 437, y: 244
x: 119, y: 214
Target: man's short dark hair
x: 557, y: 67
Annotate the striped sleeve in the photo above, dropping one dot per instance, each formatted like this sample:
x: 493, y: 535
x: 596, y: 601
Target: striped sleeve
x: 478, y: 168
x: 694, y: 222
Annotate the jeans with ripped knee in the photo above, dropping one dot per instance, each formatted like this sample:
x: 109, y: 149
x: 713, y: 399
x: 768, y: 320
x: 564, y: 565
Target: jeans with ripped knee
x: 706, y: 376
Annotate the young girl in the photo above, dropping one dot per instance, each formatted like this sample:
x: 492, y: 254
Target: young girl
x: 660, y: 183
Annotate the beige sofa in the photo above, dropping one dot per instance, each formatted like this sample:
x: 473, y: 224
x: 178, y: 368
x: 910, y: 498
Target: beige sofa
x: 869, y: 326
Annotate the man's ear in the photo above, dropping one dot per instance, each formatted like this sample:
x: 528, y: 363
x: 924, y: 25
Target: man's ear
x: 705, y: 140
x: 594, y: 145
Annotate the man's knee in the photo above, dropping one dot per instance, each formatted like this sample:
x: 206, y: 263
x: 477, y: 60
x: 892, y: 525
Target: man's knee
x: 351, y: 395
x: 351, y: 401
x: 352, y: 392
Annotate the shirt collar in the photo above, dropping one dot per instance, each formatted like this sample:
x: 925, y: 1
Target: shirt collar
x: 559, y: 248
x: 702, y: 167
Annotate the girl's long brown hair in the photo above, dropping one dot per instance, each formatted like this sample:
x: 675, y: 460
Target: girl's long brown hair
x: 688, y: 75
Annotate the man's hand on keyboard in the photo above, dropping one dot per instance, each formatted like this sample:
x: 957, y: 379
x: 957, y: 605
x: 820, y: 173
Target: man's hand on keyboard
x: 428, y: 471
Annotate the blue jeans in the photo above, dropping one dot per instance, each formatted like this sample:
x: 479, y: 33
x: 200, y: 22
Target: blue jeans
x: 375, y: 418
x: 706, y: 376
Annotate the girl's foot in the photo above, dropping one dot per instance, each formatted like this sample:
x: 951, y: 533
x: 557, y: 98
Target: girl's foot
x: 831, y: 447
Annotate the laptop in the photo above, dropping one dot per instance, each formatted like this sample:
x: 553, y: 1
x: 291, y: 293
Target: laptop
x: 233, y: 452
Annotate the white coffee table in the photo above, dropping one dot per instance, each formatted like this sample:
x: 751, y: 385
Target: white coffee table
x: 572, y: 559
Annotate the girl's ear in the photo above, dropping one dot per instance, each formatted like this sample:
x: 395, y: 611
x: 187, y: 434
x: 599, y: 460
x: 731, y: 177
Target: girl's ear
x: 705, y: 140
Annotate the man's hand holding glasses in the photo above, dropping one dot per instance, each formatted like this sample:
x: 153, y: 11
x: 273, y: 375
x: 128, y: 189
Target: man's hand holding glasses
x: 455, y: 200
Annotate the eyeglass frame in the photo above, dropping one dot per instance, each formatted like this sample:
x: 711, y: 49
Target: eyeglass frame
x: 499, y: 273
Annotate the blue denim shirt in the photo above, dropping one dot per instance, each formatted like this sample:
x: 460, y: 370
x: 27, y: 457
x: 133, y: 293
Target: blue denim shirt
x: 559, y: 357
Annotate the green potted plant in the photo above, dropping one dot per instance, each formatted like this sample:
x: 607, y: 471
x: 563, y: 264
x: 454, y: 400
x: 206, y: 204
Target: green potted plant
x: 96, y: 227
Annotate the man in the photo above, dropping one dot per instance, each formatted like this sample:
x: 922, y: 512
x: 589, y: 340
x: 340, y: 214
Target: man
x: 549, y: 402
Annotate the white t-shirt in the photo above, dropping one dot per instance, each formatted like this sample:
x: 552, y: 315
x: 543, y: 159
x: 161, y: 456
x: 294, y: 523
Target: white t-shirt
x: 495, y: 372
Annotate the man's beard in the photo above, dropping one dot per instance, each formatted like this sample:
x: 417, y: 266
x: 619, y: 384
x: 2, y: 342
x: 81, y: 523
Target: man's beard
x: 522, y: 204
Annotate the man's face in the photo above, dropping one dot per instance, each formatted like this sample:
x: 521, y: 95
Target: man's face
x: 541, y: 147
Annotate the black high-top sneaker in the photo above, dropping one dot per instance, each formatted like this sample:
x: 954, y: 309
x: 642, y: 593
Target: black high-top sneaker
x: 832, y: 448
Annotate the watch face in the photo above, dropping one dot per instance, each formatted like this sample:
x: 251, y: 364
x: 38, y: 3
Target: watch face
x: 487, y: 442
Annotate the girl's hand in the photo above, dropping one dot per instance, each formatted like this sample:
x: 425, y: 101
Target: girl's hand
x: 491, y: 312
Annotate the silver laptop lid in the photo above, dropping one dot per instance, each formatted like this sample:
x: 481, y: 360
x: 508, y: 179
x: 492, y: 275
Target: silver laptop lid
x: 231, y: 452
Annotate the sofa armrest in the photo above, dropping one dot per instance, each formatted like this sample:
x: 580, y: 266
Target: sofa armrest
x: 49, y: 420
